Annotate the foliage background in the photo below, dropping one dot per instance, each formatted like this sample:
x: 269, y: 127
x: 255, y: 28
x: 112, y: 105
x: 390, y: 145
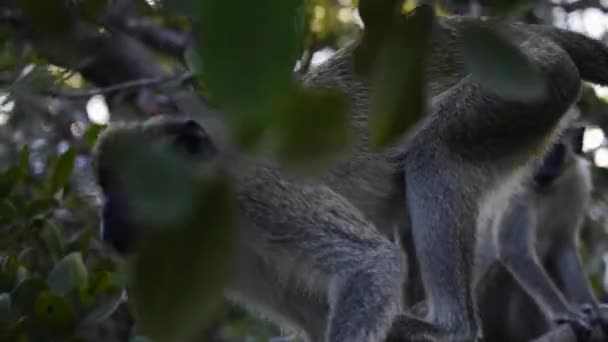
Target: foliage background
x: 68, y: 67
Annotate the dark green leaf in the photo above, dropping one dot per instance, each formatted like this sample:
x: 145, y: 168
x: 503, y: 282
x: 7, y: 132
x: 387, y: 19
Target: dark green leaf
x: 24, y: 160
x: 378, y: 17
x: 189, y: 263
x: 91, y: 10
x: 8, y: 212
x: 25, y: 294
x: 375, y: 14
x: 62, y: 170
x: 158, y: 197
x: 397, y: 98
x: 6, y: 282
x: 53, y: 240
x: 139, y: 339
x: 92, y: 133
x: 50, y: 17
x: 248, y: 91
x: 54, y: 314
x: 9, y: 178
x: 105, y: 307
x: 41, y: 207
x: 82, y: 242
x: 6, y: 313
x: 313, y: 128
x: 499, y: 65
x: 69, y: 273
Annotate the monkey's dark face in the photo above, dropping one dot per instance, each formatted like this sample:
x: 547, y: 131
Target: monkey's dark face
x: 187, y: 138
x: 559, y: 156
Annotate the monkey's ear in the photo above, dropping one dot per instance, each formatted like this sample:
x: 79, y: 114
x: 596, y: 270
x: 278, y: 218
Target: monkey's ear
x: 193, y: 138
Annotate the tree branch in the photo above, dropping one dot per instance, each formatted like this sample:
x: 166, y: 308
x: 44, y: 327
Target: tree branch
x: 128, y: 85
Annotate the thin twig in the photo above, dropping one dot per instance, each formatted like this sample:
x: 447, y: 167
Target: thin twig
x: 134, y: 84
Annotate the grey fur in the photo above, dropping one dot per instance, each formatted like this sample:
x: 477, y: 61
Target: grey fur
x: 535, y: 240
x: 314, y: 253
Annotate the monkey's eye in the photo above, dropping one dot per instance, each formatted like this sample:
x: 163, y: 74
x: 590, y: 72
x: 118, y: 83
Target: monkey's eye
x: 192, y: 139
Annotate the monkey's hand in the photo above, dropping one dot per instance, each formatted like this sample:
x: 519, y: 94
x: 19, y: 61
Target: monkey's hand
x: 598, y: 314
x: 580, y: 323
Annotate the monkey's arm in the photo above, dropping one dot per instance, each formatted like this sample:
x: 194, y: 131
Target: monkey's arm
x: 516, y: 250
x: 569, y: 271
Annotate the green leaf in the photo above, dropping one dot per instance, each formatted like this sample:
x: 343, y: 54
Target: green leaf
x: 158, y: 197
x: 51, y: 17
x: 91, y: 10
x: 9, y: 179
x: 54, y: 314
x: 248, y: 91
x: 25, y: 294
x: 68, y: 274
x: 188, y: 263
x: 53, y: 240
x: 8, y: 212
x: 397, y: 99
x: 41, y: 207
x: 6, y: 313
x: 499, y: 65
x: 82, y: 242
x: 378, y: 17
x: 92, y: 133
x: 24, y: 160
x: 375, y: 14
x: 313, y: 128
x: 140, y: 339
x: 105, y: 308
x: 62, y: 170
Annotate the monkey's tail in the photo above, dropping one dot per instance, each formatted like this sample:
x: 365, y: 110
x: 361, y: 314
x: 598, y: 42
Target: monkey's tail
x: 589, y: 55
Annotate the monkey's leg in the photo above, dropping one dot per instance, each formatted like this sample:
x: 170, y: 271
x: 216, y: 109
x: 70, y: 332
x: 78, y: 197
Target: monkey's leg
x: 443, y: 232
x: 570, y: 274
x: 324, y: 246
x: 473, y: 142
x: 516, y: 251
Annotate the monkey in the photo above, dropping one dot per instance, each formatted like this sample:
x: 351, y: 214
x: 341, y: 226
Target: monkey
x: 528, y: 271
x: 309, y: 267
x: 449, y: 172
x: 527, y: 256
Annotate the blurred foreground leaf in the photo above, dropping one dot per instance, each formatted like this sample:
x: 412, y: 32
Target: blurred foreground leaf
x: 313, y: 128
x: 51, y: 17
x: 26, y: 293
x: 184, y: 264
x: 248, y: 51
x: 54, y: 314
x: 156, y: 180
x: 397, y: 97
x: 9, y: 178
x: 499, y: 65
x: 393, y: 55
x: 62, y: 170
x: 69, y: 273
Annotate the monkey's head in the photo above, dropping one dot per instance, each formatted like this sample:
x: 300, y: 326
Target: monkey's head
x: 118, y: 149
x: 560, y: 156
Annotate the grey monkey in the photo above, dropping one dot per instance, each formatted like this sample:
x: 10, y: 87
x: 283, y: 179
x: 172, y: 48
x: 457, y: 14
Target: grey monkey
x: 307, y: 258
x: 451, y: 171
x: 534, y: 241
